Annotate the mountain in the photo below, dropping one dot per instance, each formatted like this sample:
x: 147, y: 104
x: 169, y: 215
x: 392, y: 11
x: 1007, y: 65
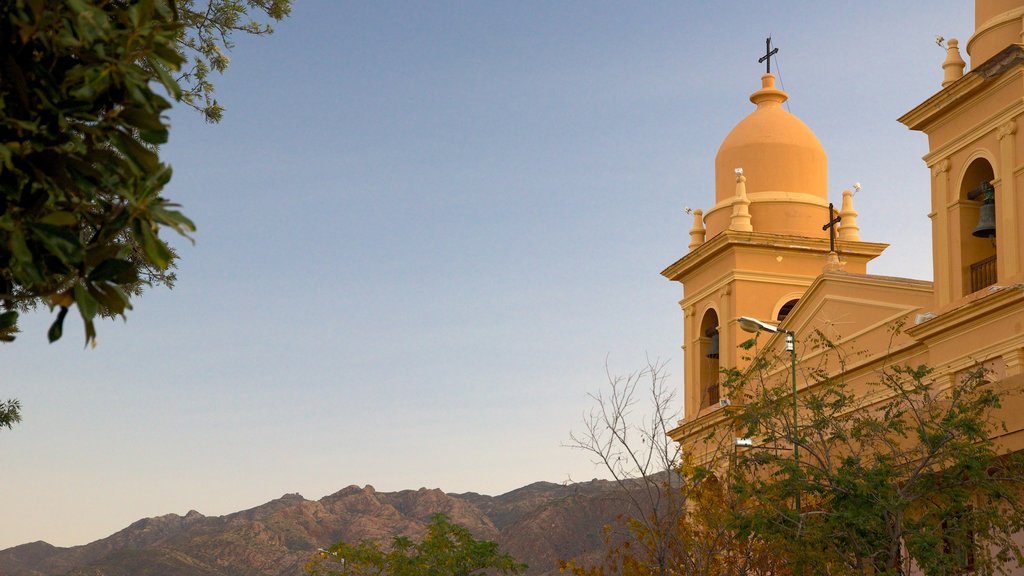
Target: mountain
x: 538, y: 524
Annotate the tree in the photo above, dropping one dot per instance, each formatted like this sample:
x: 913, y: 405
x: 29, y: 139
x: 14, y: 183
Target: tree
x: 636, y: 450
x: 81, y: 180
x: 680, y: 519
x: 206, y: 37
x: 447, y: 549
x: 897, y: 473
x: 80, y: 122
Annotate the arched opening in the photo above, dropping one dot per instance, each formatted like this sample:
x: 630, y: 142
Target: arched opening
x: 709, y: 351
x: 977, y: 253
x: 785, y: 309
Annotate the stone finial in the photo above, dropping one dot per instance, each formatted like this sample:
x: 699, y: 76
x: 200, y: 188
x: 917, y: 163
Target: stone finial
x: 848, y: 229
x: 697, y: 231
x: 953, y: 67
x: 832, y: 263
x: 740, y: 220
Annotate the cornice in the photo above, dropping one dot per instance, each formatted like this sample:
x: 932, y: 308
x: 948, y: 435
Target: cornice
x: 992, y: 124
x: 703, y: 424
x: 931, y: 109
x: 999, y: 297
x: 731, y: 239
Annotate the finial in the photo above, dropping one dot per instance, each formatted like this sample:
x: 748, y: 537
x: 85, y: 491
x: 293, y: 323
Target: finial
x: 848, y: 229
x: 740, y: 220
x: 953, y: 66
x: 768, y: 94
x: 832, y: 263
x: 697, y: 231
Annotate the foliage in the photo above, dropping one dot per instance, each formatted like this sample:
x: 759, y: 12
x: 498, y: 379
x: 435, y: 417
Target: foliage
x: 898, y: 473
x: 81, y: 180
x: 446, y: 550
x: 10, y: 414
x: 206, y: 37
x: 81, y: 120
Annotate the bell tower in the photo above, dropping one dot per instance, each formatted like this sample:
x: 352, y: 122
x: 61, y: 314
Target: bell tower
x: 975, y: 157
x: 760, y: 245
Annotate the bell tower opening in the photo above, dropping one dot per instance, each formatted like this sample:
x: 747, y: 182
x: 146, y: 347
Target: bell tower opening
x: 976, y: 235
x: 709, y: 352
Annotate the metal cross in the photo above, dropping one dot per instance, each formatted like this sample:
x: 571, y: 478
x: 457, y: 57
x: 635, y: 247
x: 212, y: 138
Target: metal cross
x: 833, y: 219
x: 768, y: 54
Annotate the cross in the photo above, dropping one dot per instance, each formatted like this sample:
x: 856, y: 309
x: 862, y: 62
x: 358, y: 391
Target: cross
x: 768, y: 54
x: 833, y: 219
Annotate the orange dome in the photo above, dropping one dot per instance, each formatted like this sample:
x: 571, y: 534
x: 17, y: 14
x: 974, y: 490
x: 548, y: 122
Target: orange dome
x: 785, y: 167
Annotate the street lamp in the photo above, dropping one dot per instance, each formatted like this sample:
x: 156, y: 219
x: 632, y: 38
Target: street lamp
x: 754, y: 325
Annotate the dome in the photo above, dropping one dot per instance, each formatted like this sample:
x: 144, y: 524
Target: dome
x: 785, y: 167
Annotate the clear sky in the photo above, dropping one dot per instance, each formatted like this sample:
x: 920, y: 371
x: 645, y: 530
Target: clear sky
x: 424, y: 227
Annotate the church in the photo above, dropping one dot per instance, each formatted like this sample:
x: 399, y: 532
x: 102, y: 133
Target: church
x: 776, y: 248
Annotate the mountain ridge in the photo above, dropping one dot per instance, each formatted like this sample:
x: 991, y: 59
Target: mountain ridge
x: 539, y: 524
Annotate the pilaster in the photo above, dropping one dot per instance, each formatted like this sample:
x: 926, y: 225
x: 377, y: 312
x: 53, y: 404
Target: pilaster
x: 1007, y: 234
x: 941, y: 237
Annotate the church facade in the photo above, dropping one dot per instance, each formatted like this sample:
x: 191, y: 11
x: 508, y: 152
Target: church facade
x: 771, y: 248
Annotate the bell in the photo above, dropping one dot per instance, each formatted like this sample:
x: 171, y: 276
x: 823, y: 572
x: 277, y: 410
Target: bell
x: 986, y: 227
x: 713, y: 334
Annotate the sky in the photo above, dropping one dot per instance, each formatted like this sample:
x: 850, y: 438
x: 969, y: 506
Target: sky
x: 425, y: 229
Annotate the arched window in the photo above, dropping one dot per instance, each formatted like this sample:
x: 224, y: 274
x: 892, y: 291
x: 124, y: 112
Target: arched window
x: 784, y: 311
x: 708, y: 381
x: 977, y: 250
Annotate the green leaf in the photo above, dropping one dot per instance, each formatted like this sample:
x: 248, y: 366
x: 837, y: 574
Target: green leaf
x: 110, y: 297
x: 8, y: 319
x: 156, y: 250
x: 57, y: 328
x: 59, y: 241
x: 111, y: 269
x: 87, y: 305
x: 144, y: 159
x: 59, y: 218
x: 142, y: 119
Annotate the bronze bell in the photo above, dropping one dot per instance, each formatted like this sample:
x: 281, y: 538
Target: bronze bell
x: 986, y: 194
x: 986, y: 227
x: 713, y: 334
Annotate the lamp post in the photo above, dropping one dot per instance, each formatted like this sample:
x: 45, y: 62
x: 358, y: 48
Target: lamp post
x: 754, y: 325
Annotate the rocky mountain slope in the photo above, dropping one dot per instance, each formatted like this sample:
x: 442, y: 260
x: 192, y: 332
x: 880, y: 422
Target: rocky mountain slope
x: 538, y: 524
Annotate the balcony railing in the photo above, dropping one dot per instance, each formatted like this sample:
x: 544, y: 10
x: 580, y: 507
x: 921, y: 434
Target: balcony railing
x: 713, y: 396
x: 983, y: 273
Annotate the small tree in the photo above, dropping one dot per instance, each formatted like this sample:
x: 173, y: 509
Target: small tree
x: 680, y: 519
x: 447, y: 550
x: 900, y: 472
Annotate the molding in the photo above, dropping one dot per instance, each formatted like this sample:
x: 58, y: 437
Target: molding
x: 930, y: 113
x: 984, y: 307
x: 727, y: 240
x: 979, y: 130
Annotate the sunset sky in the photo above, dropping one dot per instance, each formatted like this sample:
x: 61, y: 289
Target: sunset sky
x: 425, y: 228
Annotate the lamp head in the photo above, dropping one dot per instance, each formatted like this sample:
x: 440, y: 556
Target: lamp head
x: 754, y: 325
